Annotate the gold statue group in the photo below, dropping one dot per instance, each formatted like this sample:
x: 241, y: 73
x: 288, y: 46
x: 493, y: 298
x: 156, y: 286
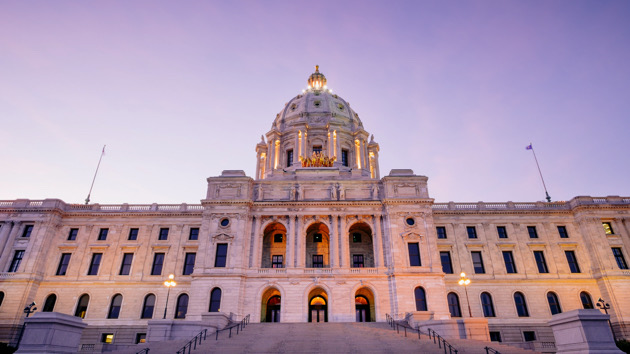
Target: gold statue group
x: 317, y: 160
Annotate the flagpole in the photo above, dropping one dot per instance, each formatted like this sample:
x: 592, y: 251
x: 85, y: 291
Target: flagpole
x: 87, y: 200
x: 531, y: 147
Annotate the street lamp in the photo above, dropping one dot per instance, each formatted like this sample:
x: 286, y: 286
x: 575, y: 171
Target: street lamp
x: 465, y: 281
x: 605, y: 306
x: 169, y: 284
x: 27, y: 310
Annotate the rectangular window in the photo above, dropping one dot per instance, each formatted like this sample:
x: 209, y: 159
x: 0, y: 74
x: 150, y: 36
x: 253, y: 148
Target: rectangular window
x: 163, y: 236
x: 289, y: 158
x: 158, y: 262
x: 15, y: 262
x: 318, y: 261
x: 125, y: 267
x: 495, y: 336
x: 107, y: 338
x: 102, y: 234
x: 344, y: 157
x: 531, y: 230
x: 95, y: 263
x: 27, y: 231
x: 540, y: 262
x: 194, y: 234
x: 276, y: 261
x: 478, y: 262
x: 414, y: 254
x: 63, y: 263
x: 608, y: 228
x: 133, y: 234
x: 72, y: 235
x: 621, y: 261
x: 317, y: 149
x: 472, y: 231
x: 221, y: 257
x: 141, y: 338
x: 317, y: 238
x: 502, y: 232
x: 572, y: 260
x: 356, y: 237
x: 447, y: 265
x: 508, y: 258
x: 529, y: 336
x: 189, y: 263
x: 277, y: 238
x: 357, y: 261
x: 562, y: 231
x: 441, y: 231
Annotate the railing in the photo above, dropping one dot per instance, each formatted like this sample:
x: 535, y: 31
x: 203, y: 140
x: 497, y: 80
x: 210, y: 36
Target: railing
x: 437, y: 339
x: 201, y: 336
x: 143, y: 351
x: 490, y: 350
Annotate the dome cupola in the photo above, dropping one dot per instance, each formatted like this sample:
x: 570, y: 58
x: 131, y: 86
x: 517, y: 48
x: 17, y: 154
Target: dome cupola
x: 317, y: 80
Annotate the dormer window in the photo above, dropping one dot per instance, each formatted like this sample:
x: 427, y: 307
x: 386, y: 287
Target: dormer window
x: 289, y: 158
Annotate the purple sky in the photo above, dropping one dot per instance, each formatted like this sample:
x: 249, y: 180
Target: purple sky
x: 180, y: 91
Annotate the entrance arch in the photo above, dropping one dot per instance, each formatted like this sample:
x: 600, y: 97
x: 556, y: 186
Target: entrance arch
x: 364, y: 305
x: 271, y: 305
x: 318, y: 306
x: 360, y: 245
x: 274, y: 246
x: 317, y: 246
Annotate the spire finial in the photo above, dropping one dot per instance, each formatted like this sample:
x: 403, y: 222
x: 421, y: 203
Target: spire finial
x: 316, y: 68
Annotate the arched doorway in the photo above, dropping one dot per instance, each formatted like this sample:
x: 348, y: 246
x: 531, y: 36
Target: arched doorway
x: 318, y: 305
x: 362, y: 308
x: 273, y: 309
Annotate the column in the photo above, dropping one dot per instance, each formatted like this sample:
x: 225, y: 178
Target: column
x: 300, y: 242
x: 256, y: 253
x: 377, y: 240
x: 5, y: 230
x: 296, y: 150
x: 304, y: 145
x: 364, y: 161
x: 11, y: 235
x: 338, y: 149
x: 334, y: 244
x: 289, y: 242
x: 343, y: 239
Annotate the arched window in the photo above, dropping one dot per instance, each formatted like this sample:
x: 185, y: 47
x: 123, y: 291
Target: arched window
x: 521, y: 305
x: 486, y: 304
x: 114, y: 307
x: 215, y: 300
x: 421, y: 299
x: 148, y: 306
x: 82, y: 306
x: 554, y: 303
x: 182, y: 306
x: 49, y: 304
x: 453, y: 305
x: 1, y: 297
x: 587, y: 302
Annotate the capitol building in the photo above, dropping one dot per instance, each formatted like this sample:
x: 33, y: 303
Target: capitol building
x: 318, y: 234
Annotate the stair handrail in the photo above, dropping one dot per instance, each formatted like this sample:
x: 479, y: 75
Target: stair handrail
x: 143, y: 351
x: 201, y: 336
x: 437, y: 339
x: 491, y: 350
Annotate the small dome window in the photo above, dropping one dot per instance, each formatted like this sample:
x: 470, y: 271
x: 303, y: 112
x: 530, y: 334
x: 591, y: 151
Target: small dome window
x: 340, y: 106
x: 317, y: 103
x: 410, y: 221
x: 293, y: 107
x: 225, y: 222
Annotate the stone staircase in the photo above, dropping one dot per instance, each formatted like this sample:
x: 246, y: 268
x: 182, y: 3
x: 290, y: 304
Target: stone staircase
x: 323, y: 338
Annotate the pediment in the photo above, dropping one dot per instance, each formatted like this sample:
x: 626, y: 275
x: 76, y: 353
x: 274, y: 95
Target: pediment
x: 411, y: 235
x: 222, y: 237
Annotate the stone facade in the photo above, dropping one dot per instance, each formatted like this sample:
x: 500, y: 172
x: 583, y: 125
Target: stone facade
x: 320, y: 229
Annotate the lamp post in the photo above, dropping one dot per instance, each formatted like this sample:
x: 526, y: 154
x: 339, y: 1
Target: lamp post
x: 169, y: 284
x: 605, y: 306
x: 27, y: 310
x: 464, y: 282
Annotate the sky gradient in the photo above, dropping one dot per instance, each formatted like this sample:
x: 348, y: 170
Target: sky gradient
x: 180, y: 91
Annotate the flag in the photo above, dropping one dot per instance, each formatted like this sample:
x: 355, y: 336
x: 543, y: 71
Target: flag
x: 528, y: 147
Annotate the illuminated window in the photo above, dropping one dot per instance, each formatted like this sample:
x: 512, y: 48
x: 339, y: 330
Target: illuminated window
x: 477, y: 260
x: 608, y: 228
x: 133, y: 234
x: 414, y: 254
x: 107, y: 338
x: 72, y: 235
x: 472, y: 231
x: 502, y: 232
x: 141, y: 338
x: 82, y: 306
x: 63, y: 264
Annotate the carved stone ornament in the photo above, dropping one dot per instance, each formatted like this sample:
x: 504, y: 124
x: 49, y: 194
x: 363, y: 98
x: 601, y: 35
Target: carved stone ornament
x: 222, y: 237
x: 341, y: 282
x: 411, y: 236
x: 294, y: 282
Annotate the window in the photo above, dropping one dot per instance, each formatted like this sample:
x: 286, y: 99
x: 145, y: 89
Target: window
x: 277, y: 238
x: 189, y: 263
x: 441, y: 231
x: 540, y: 262
x: 27, y: 231
x: 182, y: 306
x: 194, y: 234
x: 317, y: 238
x: 356, y: 237
x: 276, y: 261
x: 215, y: 300
x: 531, y: 230
x: 125, y: 267
x: 221, y: 256
x: 114, y: 307
x: 72, y: 235
x: 357, y: 261
x: 529, y: 336
x: 508, y: 258
x: 487, y: 306
x: 587, y: 302
x: 477, y: 260
x: 158, y: 262
x: 502, y: 233
x: 317, y: 149
x: 410, y: 221
x: 49, y: 304
x: 141, y: 338
x: 225, y: 222
x: 472, y: 231
x: 95, y: 263
x: 495, y: 336
x: 63, y: 263
x: 414, y: 254
x: 15, y: 262
x: 447, y: 265
x: 163, y: 236
x: 107, y: 338
x: 421, y: 299
x: 133, y: 234
x: 318, y: 261
x: 453, y: 305
x: 608, y: 228
x: 102, y: 234
x: 554, y: 303
x: 521, y: 305
x: 289, y: 158
x: 344, y: 157
x: 148, y: 306
x: 621, y: 261
x: 1, y: 297
x: 82, y: 306
x: 572, y: 260
x: 562, y: 231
